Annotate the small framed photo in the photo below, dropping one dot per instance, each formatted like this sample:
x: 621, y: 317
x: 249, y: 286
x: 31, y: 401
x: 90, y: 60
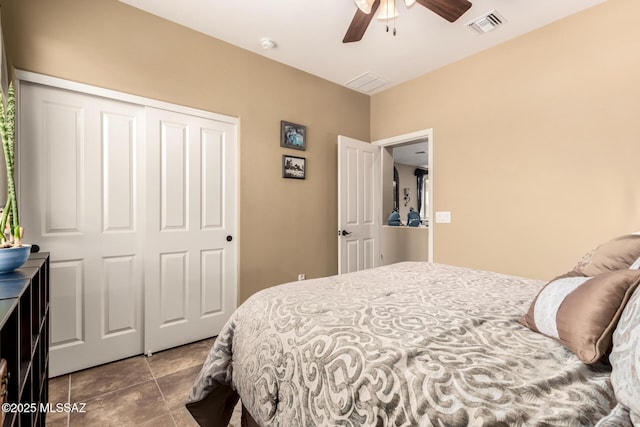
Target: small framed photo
x: 293, y: 136
x: 294, y: 167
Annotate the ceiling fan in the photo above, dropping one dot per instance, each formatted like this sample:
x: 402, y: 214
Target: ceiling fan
x: 450, y: 10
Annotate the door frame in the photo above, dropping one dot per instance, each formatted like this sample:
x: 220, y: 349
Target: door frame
x: 407, y: 138
x: 86, y: 89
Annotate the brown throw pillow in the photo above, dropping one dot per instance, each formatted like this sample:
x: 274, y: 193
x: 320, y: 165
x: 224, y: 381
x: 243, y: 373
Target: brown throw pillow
x: 616, y: 254
x: 582, y: 312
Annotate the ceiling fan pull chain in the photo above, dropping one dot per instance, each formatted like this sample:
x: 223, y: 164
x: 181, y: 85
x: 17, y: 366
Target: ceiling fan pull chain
x: 394, y: 21
x: 387, y: 13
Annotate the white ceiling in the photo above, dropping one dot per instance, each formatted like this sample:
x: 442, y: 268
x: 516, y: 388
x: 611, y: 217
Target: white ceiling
x: 308, y: 33
x: 413, y: 153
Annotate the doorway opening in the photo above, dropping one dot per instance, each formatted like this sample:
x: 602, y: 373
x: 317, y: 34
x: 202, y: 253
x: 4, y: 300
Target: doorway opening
x: 409, y: 145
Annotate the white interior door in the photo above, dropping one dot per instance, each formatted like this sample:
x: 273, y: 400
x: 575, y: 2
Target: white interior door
x: 80, y: 194
x: 358, y: 205
x: 190, y: 283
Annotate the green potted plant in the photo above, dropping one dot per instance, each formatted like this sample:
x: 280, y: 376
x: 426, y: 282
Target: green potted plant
x: 13, y: 253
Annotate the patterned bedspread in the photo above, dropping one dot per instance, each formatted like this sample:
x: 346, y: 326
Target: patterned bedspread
x: 411, y: 344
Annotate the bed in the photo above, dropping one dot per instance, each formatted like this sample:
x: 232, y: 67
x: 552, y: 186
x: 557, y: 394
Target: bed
x: 421, y: 344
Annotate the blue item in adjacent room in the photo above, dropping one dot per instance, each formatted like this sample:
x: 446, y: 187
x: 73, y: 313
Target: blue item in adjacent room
x: 413, y: 218
x: 394, y: 218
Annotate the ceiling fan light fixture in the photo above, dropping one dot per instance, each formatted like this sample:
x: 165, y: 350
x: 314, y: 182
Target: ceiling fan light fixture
x: 364, y: 5
x: 409, y: 3
x: 387, y: 10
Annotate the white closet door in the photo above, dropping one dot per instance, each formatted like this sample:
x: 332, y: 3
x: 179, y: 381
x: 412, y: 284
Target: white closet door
x: 81, y: 188
x: 190, y: 250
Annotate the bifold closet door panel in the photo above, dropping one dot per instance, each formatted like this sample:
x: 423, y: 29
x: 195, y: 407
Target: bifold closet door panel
x: 81, y: 187
x: 190, y: 251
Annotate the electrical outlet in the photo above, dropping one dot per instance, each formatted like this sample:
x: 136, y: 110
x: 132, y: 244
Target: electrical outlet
x: 301, y: 276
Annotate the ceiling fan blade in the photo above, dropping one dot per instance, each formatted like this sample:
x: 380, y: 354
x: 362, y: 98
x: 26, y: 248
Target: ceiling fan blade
x: 359, y: 24
x: 450, y: 10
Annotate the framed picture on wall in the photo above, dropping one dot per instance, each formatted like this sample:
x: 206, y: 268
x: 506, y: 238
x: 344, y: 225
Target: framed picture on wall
x: 294, y: 167
x: 293, y: 135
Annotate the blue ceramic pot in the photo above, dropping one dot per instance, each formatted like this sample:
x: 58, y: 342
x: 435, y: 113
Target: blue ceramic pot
x: 12, y: 258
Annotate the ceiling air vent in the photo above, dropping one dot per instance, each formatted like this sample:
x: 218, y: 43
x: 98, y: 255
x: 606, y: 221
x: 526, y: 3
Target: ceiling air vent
x: 487, y: 22
x: 367, y: 82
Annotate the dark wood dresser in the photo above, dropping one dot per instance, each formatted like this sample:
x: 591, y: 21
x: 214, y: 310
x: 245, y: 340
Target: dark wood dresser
x: 24, y: 342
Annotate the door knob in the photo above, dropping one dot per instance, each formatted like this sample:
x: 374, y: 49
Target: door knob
x: 229, y: 238
x: 345, y: 232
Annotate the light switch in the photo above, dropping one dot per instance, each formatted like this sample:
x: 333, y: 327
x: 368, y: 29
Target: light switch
x: 443, y: 217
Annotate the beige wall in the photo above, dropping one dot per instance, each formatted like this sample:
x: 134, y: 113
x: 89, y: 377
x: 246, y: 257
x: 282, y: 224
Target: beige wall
x: 536, y: 143
x: 286, y: 226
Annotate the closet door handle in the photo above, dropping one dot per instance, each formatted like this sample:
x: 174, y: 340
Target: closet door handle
x: 345, y: 232
x: 229, y: 238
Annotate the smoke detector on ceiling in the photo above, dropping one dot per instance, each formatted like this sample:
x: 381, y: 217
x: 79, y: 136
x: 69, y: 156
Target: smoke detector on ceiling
x: 487, y: 22
x: 267, y: 43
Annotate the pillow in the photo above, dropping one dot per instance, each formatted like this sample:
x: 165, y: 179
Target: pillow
x: 625, y: 358
x: 635, y: 265
x: 615, y: 254
x: 582, y: 312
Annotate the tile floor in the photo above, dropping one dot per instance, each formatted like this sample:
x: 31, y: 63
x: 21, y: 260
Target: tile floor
x: 139, y: 391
